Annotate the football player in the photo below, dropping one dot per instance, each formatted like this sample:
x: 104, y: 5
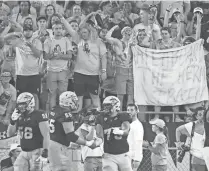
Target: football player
x: 115, y: 128
x: 33, y: 128
x: 62, y: 132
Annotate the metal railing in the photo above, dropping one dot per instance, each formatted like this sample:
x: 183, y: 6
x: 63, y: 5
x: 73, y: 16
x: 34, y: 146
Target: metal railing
x: 163, y: 113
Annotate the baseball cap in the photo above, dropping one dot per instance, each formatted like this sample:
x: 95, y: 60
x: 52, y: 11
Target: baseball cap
x: 198, y: 9
x: 158, y: 122
x: 13, y: 147
x: 41, y: 17
x: 27, y: 27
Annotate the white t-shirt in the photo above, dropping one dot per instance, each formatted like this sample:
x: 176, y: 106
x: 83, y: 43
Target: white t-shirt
x: 88, y: 152
x: 197, y: 143
x: 135, y: 140
x: 26, y: 63
x: 62, y: 45
x: 88, y: 63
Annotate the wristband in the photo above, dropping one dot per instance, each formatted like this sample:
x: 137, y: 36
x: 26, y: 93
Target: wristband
x: 104, y: 70
x: 168, y: 10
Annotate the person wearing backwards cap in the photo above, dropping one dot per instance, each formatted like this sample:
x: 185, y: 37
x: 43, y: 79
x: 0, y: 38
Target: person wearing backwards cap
x: 159, y: 148
x: 28, y: 53
x: 7, y: 164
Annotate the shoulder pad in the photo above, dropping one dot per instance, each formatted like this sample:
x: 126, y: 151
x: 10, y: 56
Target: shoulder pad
x: 124, y: 116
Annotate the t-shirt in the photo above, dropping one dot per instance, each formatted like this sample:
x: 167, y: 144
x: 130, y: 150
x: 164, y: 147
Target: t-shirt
x: 114, y: 144
x: 6, y: 96
x: 29, y: 131
x: 161, y: 157
x: 6, y: 163
x: 135, y: 140
x: 56, y: 117
x: 26, y: 63
x: 89, y: 57
x: 197, y: 142
x: 62, y: 45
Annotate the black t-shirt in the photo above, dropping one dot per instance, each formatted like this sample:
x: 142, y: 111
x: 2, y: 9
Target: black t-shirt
x: 6, y: 163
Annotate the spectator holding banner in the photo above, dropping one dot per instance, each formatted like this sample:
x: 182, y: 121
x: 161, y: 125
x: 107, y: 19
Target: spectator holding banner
x: 7, y: 164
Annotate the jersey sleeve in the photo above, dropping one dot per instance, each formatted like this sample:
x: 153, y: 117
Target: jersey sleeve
x: 99, y: 120
x: 42, y: 116
x: 124, y: 117
x: 66, y: 117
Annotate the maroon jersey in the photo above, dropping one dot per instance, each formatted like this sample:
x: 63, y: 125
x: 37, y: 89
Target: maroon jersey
x: 114, y: 144
x: 28, y: 127
x: 56, y: 117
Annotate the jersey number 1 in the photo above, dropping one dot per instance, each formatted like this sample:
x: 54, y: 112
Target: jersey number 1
x: 51, y: 126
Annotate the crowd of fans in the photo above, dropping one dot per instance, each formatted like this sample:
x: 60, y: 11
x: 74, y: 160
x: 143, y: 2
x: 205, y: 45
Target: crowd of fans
x: 49, y: 47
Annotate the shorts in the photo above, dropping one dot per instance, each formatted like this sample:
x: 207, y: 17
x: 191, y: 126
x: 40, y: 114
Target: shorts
x: 31, y: 84
x: 124, y: 81
x: 119, y: 162
x: 86, y: 84
x: 27, y: 161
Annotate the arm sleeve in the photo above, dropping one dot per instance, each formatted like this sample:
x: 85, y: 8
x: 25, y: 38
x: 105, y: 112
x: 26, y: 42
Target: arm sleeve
x: 66, y: 117
x: 42, y: 116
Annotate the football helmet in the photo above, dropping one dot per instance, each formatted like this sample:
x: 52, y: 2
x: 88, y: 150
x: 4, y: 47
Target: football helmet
x: 69, y: 99
x: 109, y: 102
x: 25, y: 102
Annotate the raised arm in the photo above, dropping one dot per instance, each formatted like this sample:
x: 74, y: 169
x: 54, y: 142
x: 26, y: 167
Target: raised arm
x: 110, y: 39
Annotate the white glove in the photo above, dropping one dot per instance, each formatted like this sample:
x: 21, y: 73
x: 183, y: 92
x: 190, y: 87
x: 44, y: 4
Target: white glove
x: 98, y: 141
x: 118, y: 131
x: 42, y: 159
x: 15, y: 115
x: 89, y: 143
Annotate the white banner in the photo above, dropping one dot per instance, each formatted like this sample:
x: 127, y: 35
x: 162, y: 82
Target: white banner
x: 170, y: 77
